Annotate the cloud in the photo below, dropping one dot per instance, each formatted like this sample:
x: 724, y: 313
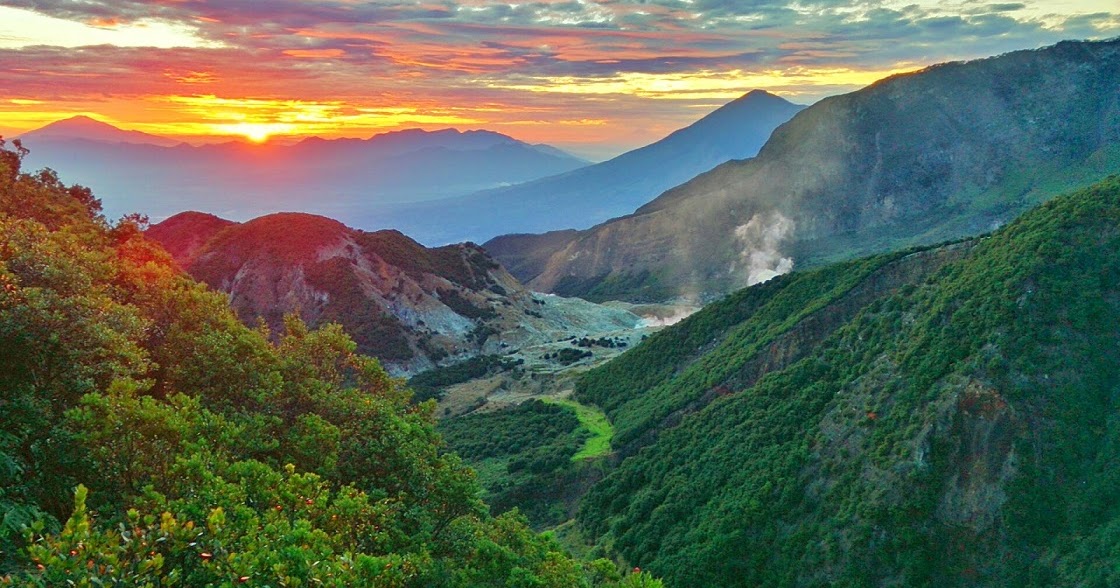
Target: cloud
x: 500, y: 63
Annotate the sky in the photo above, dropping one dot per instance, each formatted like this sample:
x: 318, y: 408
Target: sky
x: 594, y: 76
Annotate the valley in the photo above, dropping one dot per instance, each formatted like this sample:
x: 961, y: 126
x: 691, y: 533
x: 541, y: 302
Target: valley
x: 873, y: 341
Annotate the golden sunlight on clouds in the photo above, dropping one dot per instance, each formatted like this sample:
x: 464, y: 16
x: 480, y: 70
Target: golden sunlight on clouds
x: 258, y: 119
x: 578, y: 72
x: 314, y: 53
x: 23, y: 28
x: 708, y: 84
x: 191, y: 77
x: 25, y: 120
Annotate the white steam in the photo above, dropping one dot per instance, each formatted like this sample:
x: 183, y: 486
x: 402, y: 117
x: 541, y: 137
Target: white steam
x: 665, y: 321
x: 760, y: 240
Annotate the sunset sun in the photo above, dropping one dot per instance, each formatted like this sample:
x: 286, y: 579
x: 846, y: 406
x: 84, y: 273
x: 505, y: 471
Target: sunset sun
x: 257, y: 135
x: 255, y: 132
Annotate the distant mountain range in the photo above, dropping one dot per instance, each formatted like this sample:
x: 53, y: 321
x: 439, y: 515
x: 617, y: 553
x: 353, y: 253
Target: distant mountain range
x: 953, y: 150
x: 136, y: 172
x: 590, y: 195
x: 89, y: 129
x: 440, y: 187
x: 410, y: 306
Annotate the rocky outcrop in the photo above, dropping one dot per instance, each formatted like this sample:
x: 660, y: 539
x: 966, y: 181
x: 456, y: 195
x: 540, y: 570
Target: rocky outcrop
x: 411, y: 306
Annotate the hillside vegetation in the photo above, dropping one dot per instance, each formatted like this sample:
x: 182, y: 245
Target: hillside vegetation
x: 523, y: 455
x: 942, y: 417
x: 148, y: 438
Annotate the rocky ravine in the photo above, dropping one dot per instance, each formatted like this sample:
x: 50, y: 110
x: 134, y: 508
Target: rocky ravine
x: 408, y: 305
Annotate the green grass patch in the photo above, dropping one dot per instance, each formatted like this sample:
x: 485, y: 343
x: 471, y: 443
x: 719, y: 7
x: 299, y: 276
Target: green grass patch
x: 595, y: 422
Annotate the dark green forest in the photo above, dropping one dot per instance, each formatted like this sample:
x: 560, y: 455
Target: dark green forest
x: 937, y: 417
x: 148, y: 438
x: 523, y: 455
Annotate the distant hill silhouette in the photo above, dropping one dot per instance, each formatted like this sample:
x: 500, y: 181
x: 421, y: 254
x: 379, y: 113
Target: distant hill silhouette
x: 590, y: 195
x: 337, y: 178
x: 90, y: 129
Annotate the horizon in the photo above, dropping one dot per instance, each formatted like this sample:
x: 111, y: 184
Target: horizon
x: 594, y: 78
x: 266, y: 140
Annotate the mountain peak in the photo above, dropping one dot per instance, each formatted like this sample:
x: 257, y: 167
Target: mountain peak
x: 742, y: 113
x: 80, y: 120
x: 183, y: 234
x: 91, y: 129
x: 756, y: 97
x: 845, y: 173
x: 74, y: 124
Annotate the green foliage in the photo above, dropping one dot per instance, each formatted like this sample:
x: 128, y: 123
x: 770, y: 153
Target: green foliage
x: 179, y: 427
x: 481, y: 332
x: 524, y: 427
x: 957, y: 431
x: 522, y: 453
x: 674, y: 368
x: 637, y: 287
x: 568, y: 355
x: 607, y: 342
x: 463, y: 307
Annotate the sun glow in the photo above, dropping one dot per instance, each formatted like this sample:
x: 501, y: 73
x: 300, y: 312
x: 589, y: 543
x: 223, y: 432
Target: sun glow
x: 255, y: 132
x: 258, y: 119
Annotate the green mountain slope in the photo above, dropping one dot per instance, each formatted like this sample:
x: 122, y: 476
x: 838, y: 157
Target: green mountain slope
x: 148, y: 438
x: 950, y: 151
x: 945, y: 417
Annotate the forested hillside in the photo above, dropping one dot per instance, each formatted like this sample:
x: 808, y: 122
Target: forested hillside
x: 941, y: 417
x: 148, y: 438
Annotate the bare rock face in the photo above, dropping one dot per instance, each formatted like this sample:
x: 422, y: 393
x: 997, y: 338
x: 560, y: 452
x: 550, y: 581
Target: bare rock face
x: 410, y: 306
x: 953, y: 150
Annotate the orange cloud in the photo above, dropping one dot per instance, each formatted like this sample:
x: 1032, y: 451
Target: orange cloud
x: 315, y: 53
x: 191, y: 77
x: 592, y: 71
x: 105, y: 23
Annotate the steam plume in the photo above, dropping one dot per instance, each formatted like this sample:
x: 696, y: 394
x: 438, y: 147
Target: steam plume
x: 760, y: 239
